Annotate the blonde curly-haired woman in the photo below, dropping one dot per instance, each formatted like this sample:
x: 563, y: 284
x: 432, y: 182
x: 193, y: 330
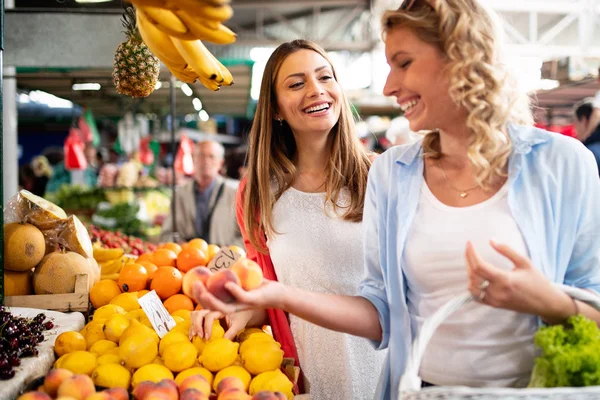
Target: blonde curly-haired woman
x: 484, y: 201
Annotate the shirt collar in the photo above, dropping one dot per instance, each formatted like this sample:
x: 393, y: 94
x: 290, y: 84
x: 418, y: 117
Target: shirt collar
x: 523, y: 139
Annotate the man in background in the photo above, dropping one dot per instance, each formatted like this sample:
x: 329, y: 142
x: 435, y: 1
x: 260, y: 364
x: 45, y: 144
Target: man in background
x: 587, y: 125
x: 205, y: 206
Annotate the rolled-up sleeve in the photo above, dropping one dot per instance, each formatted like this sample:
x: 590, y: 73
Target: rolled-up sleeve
x: 373, y: 286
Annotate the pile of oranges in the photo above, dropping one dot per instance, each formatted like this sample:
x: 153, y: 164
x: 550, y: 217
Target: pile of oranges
x: 162, y: 271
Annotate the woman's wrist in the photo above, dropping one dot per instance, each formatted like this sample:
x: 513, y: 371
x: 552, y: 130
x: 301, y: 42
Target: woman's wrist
x: 559, y: 309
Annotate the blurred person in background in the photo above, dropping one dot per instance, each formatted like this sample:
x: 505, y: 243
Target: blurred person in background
x: 587, y: 125
x: 42, y: 171
x: 205, y: 205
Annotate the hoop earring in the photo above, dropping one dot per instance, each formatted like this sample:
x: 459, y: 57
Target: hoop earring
x: 280, y: 121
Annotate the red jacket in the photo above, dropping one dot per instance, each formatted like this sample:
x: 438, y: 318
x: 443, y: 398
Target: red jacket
x: 277, y: 318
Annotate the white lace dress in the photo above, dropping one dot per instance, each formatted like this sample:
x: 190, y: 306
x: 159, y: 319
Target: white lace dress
x: 323, y: 253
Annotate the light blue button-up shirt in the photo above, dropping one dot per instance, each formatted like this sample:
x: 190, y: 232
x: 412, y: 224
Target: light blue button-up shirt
x: 554, y: 195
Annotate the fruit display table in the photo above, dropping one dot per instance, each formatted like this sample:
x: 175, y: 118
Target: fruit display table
x: 33, y: 367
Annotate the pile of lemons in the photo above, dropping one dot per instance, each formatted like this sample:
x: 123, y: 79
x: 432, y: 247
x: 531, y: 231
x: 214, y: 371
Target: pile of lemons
x: 119, y: 348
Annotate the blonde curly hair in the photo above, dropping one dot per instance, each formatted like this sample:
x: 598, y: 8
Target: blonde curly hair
x: 466, y: 33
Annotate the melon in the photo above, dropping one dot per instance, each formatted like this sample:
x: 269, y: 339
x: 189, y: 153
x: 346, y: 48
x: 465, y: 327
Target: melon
x: 95, y: 268
x: 75, y: 237
x: 38, y: 211
x: 18, y: 283
x: 57, y: 272
x: 24, y: 246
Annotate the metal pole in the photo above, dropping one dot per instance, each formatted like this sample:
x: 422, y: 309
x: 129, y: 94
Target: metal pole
x: 175, y: 237
x: 1, y: 155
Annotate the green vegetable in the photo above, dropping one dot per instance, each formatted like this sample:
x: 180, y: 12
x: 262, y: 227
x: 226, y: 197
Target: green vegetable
x: 570, y: 354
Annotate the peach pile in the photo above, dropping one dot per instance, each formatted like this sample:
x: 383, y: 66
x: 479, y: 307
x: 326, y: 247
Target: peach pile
x: 62, y: 383
x: 243, y: 272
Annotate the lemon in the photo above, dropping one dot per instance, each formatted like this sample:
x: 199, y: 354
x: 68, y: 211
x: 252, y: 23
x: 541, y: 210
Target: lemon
x: 151, y: 372
x: 137, y: 351
x: 158, y: 360
x: 129, y: 301
x: 94, y: 332
x: 111, y: 376
x: 139, y: 315
x: 247, y: 333
x: 68, y: 342
x: 255, y: 340
x: 218, y: 354
x: 185, y: 314
x: 217, y: 331
x: 177, y: 319
x: 80, y: 362
x: 238, y: 372
x: 102, y: 346
x: 109, y: 359
x: 180, y: 355
x: 114, y: 351
x: 59, y: 361
x: 274, y: 381
x: 108, y: 310
x: 136, y: 329
x: 115, y: 326
x: 194, y: 371
x: 262, y: 357
x: 183, y: 327
x: 200, y: 344
x: 170, y: 338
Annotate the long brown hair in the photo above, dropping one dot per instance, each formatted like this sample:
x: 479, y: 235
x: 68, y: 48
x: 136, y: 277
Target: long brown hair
x: 272, y: 148
x: 467, y: 34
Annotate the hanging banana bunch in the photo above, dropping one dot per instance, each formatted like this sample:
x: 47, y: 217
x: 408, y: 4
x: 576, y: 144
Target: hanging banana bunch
x: 174, y: 30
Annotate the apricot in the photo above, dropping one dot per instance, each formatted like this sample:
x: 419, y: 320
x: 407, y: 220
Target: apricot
x: 197, y: 382
x: 193, y: 394
x: 267, y: 395
x: 142, y: 389
x: 34, y: 396
x: 233, y: 394
x: 197, y: 274
x: 166, y: 387
x: 249, y: 272
x: 230, y: 382
x: 216, y: 285
x: 117, y: 393
x: 99, y: 396
x: 53, y: 380
x: 78, y: 386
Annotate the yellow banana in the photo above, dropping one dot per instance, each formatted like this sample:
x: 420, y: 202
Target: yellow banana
x: 221, y: 35
x: 166, y: 21
x: 202, y: 9
x: 210, y: 84
x: 199, y: 58
x: 186, y: 74
x: 227, y: 77
x: 112, y: 277
x: 159, y: 42
x: 149, y: 3
x: 102, y: 254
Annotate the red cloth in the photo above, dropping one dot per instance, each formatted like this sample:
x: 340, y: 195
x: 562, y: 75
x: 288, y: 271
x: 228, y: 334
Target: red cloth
x: 277, y: 318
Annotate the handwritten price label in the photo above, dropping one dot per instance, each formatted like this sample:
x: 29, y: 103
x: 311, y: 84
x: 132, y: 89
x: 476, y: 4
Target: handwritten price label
x: 223, y: 260
x: 159, y: 317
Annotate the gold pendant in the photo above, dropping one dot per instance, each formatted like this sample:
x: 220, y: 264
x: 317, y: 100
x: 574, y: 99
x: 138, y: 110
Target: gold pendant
x: 464, y: 194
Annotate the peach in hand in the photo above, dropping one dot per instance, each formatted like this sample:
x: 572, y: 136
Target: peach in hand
x: 216, y: 285
x: 197, y: 274
x: 249, y: 272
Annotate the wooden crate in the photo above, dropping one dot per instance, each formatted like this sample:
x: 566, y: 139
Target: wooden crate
x: 78, y: 301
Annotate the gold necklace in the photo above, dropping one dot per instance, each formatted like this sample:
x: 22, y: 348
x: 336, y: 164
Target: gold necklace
x: 463, y: 193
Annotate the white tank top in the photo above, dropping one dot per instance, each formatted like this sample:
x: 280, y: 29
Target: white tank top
x: 478, y: 345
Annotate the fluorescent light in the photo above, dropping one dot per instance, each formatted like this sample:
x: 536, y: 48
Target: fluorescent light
x: 203, y: 115
x: 158, y: 85
x: 186, y: 89
x: 197, y: 104
x: 86, y: 86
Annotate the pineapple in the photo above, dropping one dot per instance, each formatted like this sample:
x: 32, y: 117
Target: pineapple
x: 135, y: 68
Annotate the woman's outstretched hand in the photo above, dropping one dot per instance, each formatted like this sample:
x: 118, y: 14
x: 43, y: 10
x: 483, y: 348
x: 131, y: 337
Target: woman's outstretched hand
x: 270, y: 294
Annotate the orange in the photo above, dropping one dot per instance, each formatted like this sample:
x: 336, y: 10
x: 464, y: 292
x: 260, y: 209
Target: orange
x: 166, y: 282
x: 164, y: 258
x: 178, y: 302
x: 198, y: 307
x: 132, y: 278
x: 103, y: 292
x: 238, y: 250
x: 174, y: 247
x: 150, y: 267
x: 140, y: 293
x: 144, y: 257
x: 213, y: 249
x: 191, y: 257
x: 199, y: 244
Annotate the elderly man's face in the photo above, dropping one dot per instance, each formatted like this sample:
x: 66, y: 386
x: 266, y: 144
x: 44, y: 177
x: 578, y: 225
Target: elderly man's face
x: 208, y: 160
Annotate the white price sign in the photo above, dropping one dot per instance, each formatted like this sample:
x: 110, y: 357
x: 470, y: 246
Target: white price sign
x: 156, y: 312
x: 223, y: 260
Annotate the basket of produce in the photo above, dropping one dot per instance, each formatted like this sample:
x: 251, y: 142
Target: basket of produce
x: 568, y: 369
x: 48, y: 257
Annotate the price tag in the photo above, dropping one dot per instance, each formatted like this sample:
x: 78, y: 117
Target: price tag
x: 156, y: 312
x: 223, y: 260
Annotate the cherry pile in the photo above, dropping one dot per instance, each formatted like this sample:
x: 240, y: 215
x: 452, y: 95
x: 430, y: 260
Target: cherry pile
x: 19, y: 338
x: 130, y: 244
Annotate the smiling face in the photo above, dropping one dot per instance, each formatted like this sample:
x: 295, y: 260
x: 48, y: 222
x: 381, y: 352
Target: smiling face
x: 419, y: 82
x: 308, y: 96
